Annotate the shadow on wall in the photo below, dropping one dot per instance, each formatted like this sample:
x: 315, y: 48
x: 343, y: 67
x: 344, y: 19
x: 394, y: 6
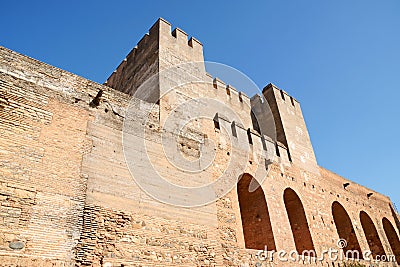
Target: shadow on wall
x: 257, y: 229
x: 396, y: 218
x: 392, y: 237
x: 372, y: 236
x: 345, y: 229
x: 298, y: 221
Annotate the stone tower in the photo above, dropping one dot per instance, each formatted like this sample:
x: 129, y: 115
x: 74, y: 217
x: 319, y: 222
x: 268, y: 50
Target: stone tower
x: 291, y: 127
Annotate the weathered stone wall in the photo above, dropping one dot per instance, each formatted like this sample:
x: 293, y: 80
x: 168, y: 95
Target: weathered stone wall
x: 44, y: 117
x: 67, y: 196
x: 42, y: 186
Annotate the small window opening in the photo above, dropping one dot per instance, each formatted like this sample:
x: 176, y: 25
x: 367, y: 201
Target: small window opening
x: 216, y: 122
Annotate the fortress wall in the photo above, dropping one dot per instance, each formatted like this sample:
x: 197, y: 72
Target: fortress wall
x: 100, y: 171
x: 51, y: 192
x: 68, y: 196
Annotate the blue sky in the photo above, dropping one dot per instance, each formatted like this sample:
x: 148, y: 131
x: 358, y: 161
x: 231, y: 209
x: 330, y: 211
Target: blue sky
x: 340, y: 59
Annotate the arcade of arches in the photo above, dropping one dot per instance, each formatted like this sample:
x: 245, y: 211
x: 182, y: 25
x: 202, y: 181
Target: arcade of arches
x: 258, y: 233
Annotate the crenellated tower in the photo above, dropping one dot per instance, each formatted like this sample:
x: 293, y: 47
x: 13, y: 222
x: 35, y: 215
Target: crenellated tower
x: 158, y: 50
x: 291, y: 129
x: 163, y: 48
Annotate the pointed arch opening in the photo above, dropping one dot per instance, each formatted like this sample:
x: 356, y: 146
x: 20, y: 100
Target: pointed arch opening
x: 392, y: 237
x: 298, y: 222
x: 256, y: 222
x: 346, y: 231
x: 371, y: 234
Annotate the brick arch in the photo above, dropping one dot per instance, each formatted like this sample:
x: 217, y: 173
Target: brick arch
x: 345, y: 229
x: 298, y: 221
x: 371, y: 234
x: 256, y: 222
x: 392, y: 237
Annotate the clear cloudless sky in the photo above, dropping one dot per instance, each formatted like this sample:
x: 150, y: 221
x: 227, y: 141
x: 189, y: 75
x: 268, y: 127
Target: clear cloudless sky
x: 340, y: 59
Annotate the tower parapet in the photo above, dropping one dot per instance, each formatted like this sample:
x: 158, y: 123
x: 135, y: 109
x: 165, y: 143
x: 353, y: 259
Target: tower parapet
x: 159, y: 49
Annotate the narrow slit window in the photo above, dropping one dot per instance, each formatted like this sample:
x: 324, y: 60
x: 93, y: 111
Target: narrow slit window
x: 216, y: 122
x: 233, y: 127
x: 249, y: 137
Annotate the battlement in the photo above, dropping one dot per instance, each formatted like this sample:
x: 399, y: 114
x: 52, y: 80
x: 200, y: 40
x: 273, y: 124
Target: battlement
x: 158, y: 49
x: 283, y: 94
x: 229, y: 90
x: 163, y: 29
x: 248, y: 139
